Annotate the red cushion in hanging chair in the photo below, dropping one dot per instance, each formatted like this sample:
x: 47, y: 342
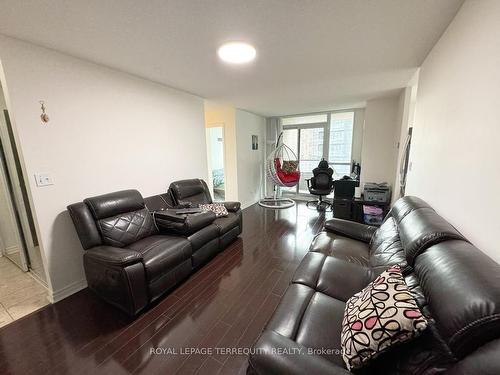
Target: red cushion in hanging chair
x: 285, y: 177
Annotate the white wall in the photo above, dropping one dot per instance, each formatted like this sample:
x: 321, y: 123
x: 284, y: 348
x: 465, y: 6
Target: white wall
x: 357, y: 134
x: 455, y: 151
x: 250, y: 162
x: 108, y: 131
x: 379, y: 152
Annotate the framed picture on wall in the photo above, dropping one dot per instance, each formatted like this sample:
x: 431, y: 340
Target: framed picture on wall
x: 255, y: 142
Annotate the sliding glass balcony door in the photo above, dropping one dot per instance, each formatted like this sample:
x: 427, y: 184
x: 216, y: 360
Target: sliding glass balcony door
x: 310, y: 154
x: 306, y: 139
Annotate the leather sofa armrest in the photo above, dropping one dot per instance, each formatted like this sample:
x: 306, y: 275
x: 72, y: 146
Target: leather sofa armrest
x: 113, y: 256
x: 351, y: 229
x: 118, y: 276
x: 186, y: 224
x: 277, y: 354
x: 232, y: 206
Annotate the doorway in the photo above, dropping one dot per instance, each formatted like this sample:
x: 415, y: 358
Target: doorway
x: 22, y: 276
x: 215, y: 148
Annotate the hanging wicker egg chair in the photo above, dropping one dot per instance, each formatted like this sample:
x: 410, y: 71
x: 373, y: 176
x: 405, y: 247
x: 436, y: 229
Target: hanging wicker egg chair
x: 282, y: 168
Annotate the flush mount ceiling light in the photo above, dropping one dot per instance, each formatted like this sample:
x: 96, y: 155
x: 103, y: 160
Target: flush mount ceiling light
x: 236, y: 52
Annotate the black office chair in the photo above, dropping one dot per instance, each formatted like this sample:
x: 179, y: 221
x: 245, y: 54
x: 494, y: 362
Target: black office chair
x: 321, y: 184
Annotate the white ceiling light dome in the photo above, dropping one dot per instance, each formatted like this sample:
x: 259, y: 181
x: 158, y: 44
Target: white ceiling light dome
x: 237, y: 52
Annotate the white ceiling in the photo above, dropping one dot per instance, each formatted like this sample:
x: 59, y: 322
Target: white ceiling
x: 311, y: 54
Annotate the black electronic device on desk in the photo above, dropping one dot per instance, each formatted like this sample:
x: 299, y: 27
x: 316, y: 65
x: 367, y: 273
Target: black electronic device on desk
x: 343, y: 195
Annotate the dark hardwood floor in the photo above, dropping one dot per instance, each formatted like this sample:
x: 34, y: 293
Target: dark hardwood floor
x: 224, y: 305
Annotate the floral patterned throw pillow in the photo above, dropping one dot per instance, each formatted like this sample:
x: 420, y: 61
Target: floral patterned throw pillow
x: 218, y: 208
x: 290, y: 166
x: 381, y: 315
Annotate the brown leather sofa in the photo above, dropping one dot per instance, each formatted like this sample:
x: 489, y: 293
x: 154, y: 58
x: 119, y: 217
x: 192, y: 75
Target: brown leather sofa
x: 455, y: 284
x: 131, y: 261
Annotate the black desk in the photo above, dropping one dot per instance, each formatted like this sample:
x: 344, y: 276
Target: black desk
x: 357, y: 208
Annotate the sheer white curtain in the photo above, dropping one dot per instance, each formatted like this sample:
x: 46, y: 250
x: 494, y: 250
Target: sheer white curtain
x: 274, y: 129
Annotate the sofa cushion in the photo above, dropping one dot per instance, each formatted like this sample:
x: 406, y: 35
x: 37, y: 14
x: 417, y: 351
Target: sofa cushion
x: 321, y: 326
x: 126, y: 228
x: 311, y: 319
x: 295, y: 360
x: 203, y: 236
x: 332, y: 276
x: 225, y: 224
x: 385, y: 246
x: 383, y: 314
x: 341, y: 247
x: 161, y: 253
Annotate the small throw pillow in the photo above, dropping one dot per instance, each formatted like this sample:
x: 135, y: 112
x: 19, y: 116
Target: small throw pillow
x: 381, y: 315
x: 218, y: 208
x: 290, y: 166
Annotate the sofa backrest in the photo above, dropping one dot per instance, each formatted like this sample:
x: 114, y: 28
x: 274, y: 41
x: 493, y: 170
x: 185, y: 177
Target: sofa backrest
x: 416, y: 225
x: 194, y: 191
x: 462, y: 288
x: 454, y: 283
x: 159, y: 202
x: 385, y: 247
x: 422, y: 228
x: 403, y: 206
x: 115, y: 219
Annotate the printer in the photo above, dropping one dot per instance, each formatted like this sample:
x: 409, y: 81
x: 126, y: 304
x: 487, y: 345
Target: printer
x: 380, y: 193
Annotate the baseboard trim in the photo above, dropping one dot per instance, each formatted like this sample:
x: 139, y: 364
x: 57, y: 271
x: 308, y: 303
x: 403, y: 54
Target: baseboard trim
x: 68, y: 290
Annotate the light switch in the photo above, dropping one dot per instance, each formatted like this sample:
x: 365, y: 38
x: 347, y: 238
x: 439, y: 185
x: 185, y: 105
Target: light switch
x: 43, y: 179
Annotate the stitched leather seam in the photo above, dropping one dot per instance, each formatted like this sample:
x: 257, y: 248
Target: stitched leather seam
x: 131, y: 292
x: 433, y: 240
x: 478, y: 322
x: 299, y: 322
x: 320, y: 270
x: 116, y: 262
x: 413, y: 210
x: 92, y: 208
x: 165, y: 201
x: 151, y: 246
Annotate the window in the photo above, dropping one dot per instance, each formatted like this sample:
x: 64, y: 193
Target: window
x: 313, y: 137
x: 340, y: 144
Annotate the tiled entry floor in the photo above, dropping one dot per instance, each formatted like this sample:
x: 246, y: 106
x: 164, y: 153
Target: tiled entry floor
x: 20, y: 294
